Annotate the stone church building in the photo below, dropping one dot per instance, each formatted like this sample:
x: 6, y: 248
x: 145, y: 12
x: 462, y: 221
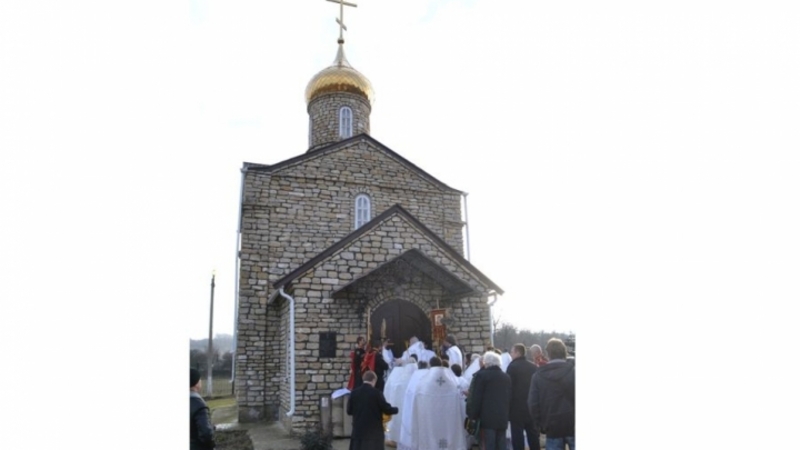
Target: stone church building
x: 344, y: 240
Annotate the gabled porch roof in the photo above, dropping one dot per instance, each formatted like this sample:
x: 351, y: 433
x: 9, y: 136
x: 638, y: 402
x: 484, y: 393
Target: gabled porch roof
x: 402, y: 268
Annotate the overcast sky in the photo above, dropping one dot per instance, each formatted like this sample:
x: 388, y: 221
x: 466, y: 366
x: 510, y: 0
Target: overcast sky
x: 632, y: 168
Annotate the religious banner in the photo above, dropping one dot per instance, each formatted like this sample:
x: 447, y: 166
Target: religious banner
x: 439, y: 328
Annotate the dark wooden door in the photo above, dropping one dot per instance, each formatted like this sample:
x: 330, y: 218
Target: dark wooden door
x: 399, y: 320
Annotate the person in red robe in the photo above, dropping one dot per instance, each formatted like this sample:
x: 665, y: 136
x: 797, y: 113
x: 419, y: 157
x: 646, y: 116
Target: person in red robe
x: 373, y: 360
x: 356, y: 358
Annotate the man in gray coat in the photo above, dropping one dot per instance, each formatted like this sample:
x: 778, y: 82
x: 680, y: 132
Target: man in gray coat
x: 552, y: 397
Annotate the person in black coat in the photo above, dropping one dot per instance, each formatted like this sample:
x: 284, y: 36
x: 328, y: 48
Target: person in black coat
x: 381, y: 367
x: 367, y: 405
x: 490, y: 401
x: 356, y: 358
x: 521, y: 371
x: 552, y: 397
x: 201, y: 432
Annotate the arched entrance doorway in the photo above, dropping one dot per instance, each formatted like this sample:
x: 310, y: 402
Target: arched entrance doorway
x: 399, y: 320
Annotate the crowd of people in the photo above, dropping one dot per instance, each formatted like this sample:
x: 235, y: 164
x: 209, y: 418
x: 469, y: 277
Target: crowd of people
x: 422, y: 401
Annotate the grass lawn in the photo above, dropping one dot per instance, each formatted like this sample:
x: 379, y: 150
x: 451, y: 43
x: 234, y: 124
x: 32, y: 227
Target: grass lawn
x: 220, y: 403
x: 233, y: 440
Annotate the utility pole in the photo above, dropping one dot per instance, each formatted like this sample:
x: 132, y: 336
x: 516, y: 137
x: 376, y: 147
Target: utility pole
x: 209, y: 383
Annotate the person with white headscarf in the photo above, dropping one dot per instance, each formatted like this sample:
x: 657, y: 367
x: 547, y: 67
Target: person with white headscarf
x: 490, y: 402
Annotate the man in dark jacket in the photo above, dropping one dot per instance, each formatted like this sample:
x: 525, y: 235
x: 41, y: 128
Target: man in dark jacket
x: 490, y: 400
x: 367, y: 405
x: 552, y: 397
x: 521, y: 371
x: 201, y: 432
x: 381, y: 367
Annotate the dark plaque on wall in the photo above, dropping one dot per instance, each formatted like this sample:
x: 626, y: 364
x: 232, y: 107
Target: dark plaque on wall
x: 327, y: 345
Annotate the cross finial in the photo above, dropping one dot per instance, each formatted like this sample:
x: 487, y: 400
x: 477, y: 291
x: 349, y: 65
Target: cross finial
x: 340, y: 19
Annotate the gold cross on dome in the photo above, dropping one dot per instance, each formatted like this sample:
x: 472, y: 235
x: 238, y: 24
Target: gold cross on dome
x: 340, y: 19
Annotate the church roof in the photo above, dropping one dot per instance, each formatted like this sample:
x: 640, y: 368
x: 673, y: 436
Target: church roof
x: 343, y: 144
x: 419, y: 263
x: 339, y: 77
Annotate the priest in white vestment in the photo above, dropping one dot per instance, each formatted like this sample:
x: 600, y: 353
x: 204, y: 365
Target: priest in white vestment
x: 394, y: 391
x: 406, y: 434
x: 415, y: 347
x: 427, y: 354
x: 453, y: 352
x: 434, y: 418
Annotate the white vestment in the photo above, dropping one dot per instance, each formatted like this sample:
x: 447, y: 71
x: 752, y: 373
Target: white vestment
x: 406, y: 419
x: 395, y: 391
x: 413, y: 349
x: 463, y: 389
x: 388, y: 356
x: 434, y: 417
x: 463, y: 386
x: 427, y: 355
x: 472, y: 369
x: 454, y: 356
x: 505, y: 360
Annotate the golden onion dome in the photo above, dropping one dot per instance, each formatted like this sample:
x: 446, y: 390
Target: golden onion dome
x: 339, y: 77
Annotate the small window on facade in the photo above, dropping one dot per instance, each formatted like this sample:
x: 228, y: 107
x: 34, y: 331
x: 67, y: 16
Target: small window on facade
x: 327, y: 345
x: 345, y: 122
x: 362, y: 210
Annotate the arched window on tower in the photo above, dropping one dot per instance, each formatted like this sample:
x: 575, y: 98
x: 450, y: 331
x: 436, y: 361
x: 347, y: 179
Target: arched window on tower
x: 362, y: 210
x: 345, y: 122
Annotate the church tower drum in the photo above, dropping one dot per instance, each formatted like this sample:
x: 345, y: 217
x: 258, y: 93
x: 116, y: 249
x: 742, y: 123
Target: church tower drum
x: 339, y: 102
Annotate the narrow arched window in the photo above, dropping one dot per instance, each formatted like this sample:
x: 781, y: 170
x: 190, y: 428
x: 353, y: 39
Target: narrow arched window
x: 345, y: 122
x: 362, y: 210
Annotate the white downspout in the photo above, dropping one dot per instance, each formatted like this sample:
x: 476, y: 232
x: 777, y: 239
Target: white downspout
x: 290, y: 413
x: 491, y: 317
x: 466, y: 220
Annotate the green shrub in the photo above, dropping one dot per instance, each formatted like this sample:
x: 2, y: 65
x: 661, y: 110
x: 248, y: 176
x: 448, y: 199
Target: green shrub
x: 316, y: 439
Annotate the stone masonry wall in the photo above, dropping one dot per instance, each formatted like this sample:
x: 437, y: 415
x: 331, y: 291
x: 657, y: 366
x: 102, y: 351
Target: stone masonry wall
x: 291, y: 215
x: 316, y: 311
x: 323, y: 116
x: 312, y: 203
x: 257, y: 339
